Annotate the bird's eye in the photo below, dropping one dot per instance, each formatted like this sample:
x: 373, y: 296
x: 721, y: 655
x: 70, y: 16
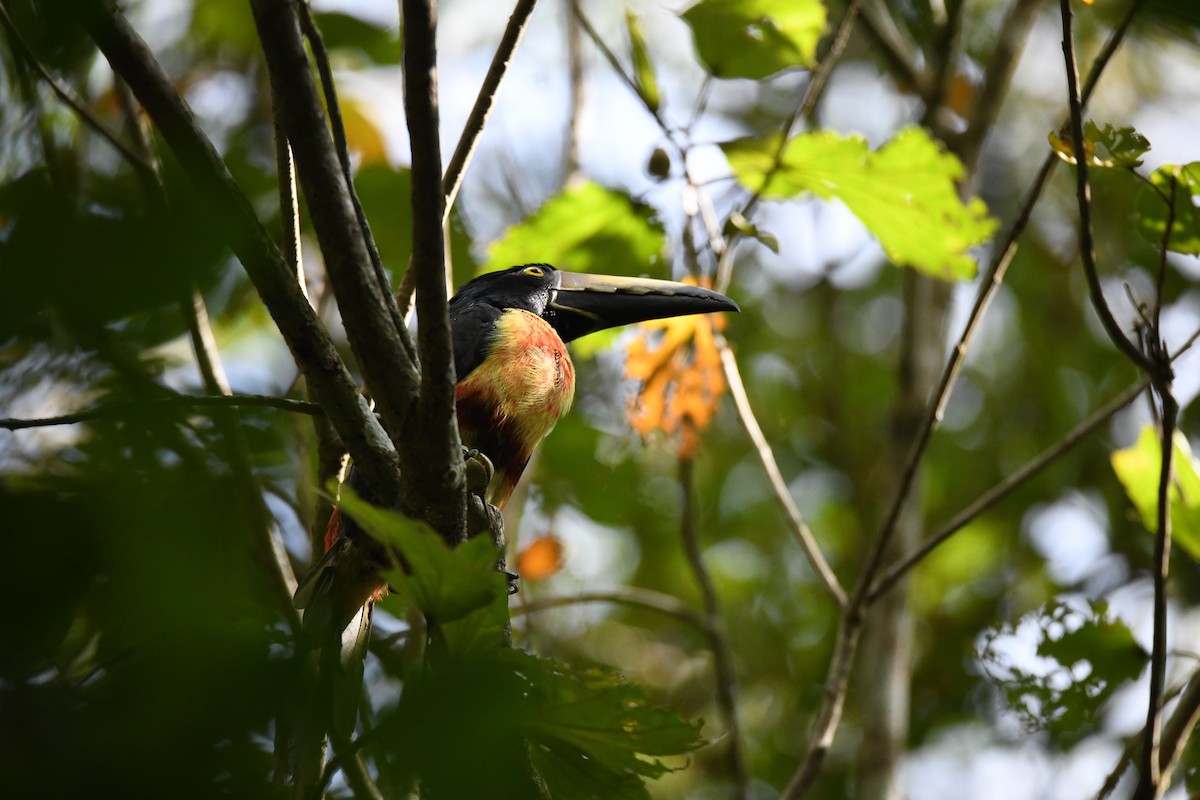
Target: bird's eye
x: 535, y: 272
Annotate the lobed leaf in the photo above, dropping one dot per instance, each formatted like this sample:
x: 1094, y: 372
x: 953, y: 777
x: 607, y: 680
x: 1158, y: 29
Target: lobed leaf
x: 905, y: 192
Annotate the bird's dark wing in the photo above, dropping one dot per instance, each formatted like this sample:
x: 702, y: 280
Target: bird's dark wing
x: 472, y: 328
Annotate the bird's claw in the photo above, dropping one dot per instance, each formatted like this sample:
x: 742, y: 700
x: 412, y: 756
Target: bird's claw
x: 479, y: 471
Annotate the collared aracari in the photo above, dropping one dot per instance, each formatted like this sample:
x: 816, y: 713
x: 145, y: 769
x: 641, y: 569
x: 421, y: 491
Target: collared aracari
x: 509, y: 330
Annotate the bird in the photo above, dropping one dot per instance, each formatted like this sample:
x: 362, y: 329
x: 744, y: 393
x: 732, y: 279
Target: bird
x: 509, y: 330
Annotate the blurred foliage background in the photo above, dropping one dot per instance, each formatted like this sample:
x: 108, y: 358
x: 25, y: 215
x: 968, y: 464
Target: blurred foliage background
x: 145, y: 642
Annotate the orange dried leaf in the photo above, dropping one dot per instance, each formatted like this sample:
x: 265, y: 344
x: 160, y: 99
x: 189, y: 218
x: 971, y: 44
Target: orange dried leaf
x: 677, y: 363
x: 541, y: 559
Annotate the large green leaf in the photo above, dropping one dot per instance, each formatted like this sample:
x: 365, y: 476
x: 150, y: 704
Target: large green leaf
x: 905, y: 192
x: 445, y: 584
x: 1153, y: 207
x: 591, y: 727
x: 588, y: 732
x: 1138, y: 468
x: 756, y: 38
x: 586, y: 228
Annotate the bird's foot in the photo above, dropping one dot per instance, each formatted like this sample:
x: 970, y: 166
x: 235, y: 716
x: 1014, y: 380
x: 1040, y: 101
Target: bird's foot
x: 479, y: 471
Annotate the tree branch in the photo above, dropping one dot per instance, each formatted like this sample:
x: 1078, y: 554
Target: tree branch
x: 311, y: 32
x: 306, y: 337
x: 1006, y: 487
x: 1083, y: 192
x: 364, y: 304
x: 435, y: 454
x: 804, y: 535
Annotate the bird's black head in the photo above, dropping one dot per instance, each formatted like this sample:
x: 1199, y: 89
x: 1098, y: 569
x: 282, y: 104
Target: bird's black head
x: 576, y: 304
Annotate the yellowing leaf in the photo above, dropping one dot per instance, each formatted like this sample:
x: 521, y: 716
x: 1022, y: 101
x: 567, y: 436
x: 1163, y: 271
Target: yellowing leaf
x: 541, y: 559
x: 1138, y: 468
x: 905, y: 192
x: 677, y: 363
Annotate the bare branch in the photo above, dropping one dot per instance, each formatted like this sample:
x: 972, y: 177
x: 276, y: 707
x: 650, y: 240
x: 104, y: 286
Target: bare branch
x: 365, y: 306
x: 306, y: 337
x: 435, y: 454
x: 812, y: 95
x: 457, y: 167
x: 1006, y: 487
x: 800, y: 528
x: 1083, y: 192
x: 173, y: 401
x: 313, y: 34
x: 627, y: 596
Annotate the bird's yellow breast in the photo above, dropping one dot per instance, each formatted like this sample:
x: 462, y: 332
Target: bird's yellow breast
x: 513, y: 399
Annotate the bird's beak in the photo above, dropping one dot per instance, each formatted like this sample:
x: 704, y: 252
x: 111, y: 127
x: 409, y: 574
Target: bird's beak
x: 582, y: 303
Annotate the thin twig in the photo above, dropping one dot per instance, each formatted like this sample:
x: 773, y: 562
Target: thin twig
x: 804, y: 535
x: 457, y: 166
x: 901, y: 61
x: 723, y: 668
x: 1151, y: 783
x: 1083, y: 192
x: 1006, y: 487
x: 631, y: 596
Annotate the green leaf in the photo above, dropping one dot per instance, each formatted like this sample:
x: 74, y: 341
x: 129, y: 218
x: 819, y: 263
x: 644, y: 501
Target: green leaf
x: 589, y: 733
x: 1138, y: 468
x: 586, y: 228
x: 643, y: 70
x: 905, y: 192
x: 445, y: 584
x: 1107, y: 147
x: 1153, y: 207
x: 591, y: 727
x: 756, y: 38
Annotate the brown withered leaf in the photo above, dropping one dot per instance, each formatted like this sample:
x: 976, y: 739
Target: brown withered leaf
x: 678, y: 367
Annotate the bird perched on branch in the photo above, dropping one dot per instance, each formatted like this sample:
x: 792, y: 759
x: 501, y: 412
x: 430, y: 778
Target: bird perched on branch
x: 515, y: 379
